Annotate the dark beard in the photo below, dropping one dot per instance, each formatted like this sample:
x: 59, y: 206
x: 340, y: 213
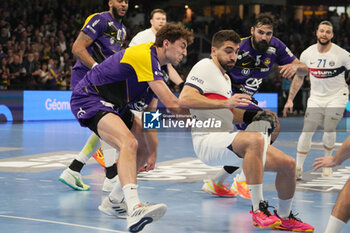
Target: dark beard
x: 261, y: 46
x: 225, y: 66
x: 323, y: 43
x: 116, y: 15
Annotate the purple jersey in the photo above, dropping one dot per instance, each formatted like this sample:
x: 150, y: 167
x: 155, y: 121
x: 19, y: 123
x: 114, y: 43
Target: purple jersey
x: 118, y: 83
x: 253, y: 66
x: 108, y: 36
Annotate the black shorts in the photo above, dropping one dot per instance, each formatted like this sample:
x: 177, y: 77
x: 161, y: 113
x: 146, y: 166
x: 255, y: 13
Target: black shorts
x: 127, y: 117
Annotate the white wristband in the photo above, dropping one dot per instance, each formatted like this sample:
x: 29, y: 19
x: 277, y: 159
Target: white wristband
x: 95, y: 64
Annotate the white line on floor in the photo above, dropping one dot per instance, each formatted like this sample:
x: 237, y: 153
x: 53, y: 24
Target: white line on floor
x: 60, y: 223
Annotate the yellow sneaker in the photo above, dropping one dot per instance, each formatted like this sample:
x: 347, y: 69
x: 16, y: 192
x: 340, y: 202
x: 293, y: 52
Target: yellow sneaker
x: 240, y: 188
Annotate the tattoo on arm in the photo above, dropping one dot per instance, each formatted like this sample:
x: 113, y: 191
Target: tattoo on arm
x: 295, y: 86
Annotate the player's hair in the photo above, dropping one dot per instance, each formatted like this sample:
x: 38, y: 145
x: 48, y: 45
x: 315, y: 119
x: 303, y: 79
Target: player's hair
x: 264, y: 19
x: 225, y: 35
x: 325, y: 22
x: 173, y: 32
x: 158, y: 10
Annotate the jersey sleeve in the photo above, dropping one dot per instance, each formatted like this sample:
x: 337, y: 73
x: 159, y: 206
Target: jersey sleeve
x: 303, y: 57
x: 94, y: 26
x: 136, y: 40
x: 143, y: 59
x: 197, y: 78
x: 346, y: 60
x: 284, y: 55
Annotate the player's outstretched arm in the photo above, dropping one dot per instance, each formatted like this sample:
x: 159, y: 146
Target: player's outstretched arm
x: 190, y: 97
x: 293, y: 90
x: 330, y: 161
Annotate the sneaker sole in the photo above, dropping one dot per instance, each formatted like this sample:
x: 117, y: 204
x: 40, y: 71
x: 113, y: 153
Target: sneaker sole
x: 274, y: 225
x: 151, y: 216
x: 109, y: 213
x: 279, y: 228
x: 73, y: 187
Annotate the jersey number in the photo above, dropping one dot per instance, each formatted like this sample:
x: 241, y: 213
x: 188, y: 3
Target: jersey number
x: 320, y: 62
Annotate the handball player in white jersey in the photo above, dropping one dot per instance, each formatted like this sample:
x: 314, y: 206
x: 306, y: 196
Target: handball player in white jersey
x: 329, y: 92
x: 208, y: 95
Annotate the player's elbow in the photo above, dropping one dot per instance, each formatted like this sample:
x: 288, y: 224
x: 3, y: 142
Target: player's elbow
x: 184, y: 101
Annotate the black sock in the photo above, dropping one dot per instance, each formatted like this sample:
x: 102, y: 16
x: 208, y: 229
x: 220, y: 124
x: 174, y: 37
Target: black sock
x: 76, y: 165
x: 111, y: 171
x: 230, y: 169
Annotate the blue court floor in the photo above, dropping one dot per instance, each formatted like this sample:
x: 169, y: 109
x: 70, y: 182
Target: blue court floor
x: 33, y: 154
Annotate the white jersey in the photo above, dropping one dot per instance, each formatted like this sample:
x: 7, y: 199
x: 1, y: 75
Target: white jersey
x: 206, y: 77
x: 143, y: 37
x: 326, y: 70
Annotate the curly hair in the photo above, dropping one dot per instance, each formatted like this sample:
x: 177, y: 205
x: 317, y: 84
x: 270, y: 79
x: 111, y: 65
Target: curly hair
x: 173, y: 32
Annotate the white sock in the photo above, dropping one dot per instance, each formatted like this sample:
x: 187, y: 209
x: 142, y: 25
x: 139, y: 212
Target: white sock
x: 335, y: 225
x: 221, y: 176
x: 256, y: 194
x: 117, y: 194
x: 131, y: 196
x: 284, y: 207
x: 300, y: 159
x: 109, y: 154
x: 328, y: 152
x: 89, y: 149
x: 241, y: 176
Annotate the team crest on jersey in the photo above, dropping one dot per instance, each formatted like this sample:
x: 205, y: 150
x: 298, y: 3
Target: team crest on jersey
x: 245, y: 72
x: 267, y: 61
x: 331, y: 63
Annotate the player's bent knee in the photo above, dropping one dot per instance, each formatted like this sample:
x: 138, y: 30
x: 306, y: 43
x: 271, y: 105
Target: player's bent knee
x: 130, y: 144
x: 255, y: 140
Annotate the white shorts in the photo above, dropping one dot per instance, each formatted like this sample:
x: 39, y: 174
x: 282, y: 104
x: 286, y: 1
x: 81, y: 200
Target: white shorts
x: 212, y: 148
x: 320, y: 106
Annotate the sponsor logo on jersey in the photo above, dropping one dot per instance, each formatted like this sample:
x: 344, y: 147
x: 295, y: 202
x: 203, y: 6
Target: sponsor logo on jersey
x: 245, y: 71
x: 326, y: 73
x: 91, y: 29
x: 289, y: 52
x: 198, y: 80
x: 253, y: 83
x: 96, y: 22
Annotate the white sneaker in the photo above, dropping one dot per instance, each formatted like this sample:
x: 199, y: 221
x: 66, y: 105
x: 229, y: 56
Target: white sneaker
x: 113, y: 209
x: 144, y: 214
x: 108, y: 184
x: 327, y: 172
x: 73, y: 179
x: 299, y: 173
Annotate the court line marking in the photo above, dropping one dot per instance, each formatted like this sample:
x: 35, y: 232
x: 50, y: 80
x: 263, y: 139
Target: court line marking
x: 60, y: 223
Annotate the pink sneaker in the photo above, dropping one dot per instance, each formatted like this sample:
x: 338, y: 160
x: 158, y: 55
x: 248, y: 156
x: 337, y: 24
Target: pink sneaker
x: 293, y: 224
x: 262, y: 218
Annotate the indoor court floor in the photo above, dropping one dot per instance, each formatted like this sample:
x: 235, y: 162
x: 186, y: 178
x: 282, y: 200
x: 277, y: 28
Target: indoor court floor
x: 33, y: 154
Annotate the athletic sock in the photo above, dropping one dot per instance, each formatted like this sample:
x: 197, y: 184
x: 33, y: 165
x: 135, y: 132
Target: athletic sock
x: 131, y: 196
x: 111, y: 171
x: 256, y: 194
x: 284, y: 207
x: 335, y: 225
x: 300, y: 159
x: 328, y: 152
x: 76, y: 165
x: 117, y: 194
x: 89, y: 149
x: 221, y: 176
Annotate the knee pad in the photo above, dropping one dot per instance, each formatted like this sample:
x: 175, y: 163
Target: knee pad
x: 261, y: 127
x: 329, y: 139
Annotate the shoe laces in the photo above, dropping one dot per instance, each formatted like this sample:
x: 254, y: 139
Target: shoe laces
x: 263, y: 207
x: 290, y: 217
